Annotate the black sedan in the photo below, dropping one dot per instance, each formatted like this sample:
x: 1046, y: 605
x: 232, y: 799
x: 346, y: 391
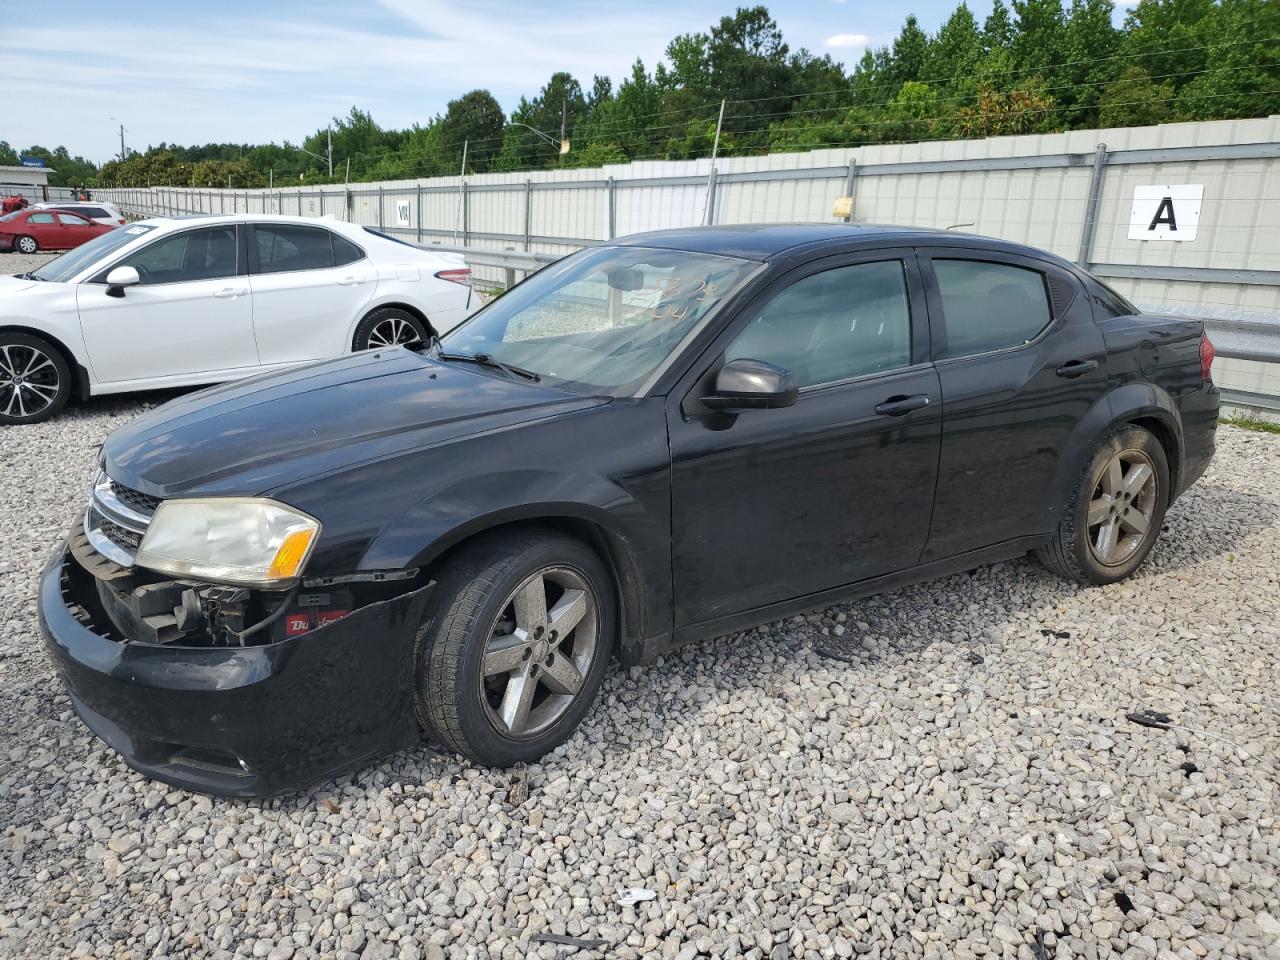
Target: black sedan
x: 660, y: 439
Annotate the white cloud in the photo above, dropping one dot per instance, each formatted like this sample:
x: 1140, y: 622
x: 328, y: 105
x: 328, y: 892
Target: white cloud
x: 848, y: 40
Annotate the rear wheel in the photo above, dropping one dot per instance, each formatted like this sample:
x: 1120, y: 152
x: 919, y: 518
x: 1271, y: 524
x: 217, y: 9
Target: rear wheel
x: 26, y: 245
x: 515, y: 648
x: 35, y: 380
x: 1116, y: 511
x: 389, y: 327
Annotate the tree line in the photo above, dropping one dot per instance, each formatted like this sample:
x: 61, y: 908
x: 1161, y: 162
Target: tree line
x: 1035, y: 66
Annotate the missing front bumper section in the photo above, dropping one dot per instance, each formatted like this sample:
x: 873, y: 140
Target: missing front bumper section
x: 147, y: 608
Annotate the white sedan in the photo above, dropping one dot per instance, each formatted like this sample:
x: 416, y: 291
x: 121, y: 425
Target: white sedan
x: 181, y: 302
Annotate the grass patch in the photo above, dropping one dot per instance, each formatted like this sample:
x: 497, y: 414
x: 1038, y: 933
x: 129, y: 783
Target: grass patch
x: 1251, y: 423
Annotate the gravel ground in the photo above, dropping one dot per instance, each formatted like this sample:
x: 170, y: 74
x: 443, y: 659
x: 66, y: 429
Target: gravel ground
x: 968, y: 786
x: 11, y: 263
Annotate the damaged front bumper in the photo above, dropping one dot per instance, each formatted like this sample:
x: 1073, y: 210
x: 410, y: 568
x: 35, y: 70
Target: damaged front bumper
x: 236, y: 720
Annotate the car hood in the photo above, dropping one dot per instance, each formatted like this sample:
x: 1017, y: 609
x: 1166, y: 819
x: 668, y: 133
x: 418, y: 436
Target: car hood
x: 250, y: 437
x: 17, y: 286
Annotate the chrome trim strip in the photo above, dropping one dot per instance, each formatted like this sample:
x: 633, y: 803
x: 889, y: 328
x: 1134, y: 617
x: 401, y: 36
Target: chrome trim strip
x: 99, y: 541
x: 114, y: 510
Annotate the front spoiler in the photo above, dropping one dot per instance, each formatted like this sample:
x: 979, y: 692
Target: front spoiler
x: 237, y: 721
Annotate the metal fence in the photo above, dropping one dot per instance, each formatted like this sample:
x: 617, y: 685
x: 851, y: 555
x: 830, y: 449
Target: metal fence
x: 1069, y: 193
x: 36, y: 193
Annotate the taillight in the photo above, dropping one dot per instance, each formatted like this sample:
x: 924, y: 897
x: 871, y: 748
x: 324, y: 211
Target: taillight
x: 457, y: 275
x: 1207, y: 353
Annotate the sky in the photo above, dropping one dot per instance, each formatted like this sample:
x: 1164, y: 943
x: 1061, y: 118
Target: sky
x: 273, y: 70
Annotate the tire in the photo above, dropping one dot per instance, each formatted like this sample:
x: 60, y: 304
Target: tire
x: 35, y: 380
x: 389, y: 327
x: 1082, y: 549
x: 474, y: 625
x: 25, y: 244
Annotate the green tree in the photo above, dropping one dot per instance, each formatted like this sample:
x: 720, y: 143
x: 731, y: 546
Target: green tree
x: 909, y: 54
x: 476, y: 119
x: 1241, y: 75
x: 1089, y: 41
x: 1134, y: 100
x: 997, y: 29
x: 1040, y: 37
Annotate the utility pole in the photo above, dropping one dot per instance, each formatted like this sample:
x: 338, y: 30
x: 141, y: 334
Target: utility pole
x: 124, y: 154
x: 331, y: 148
x: 564, y: 116
x: 462, y: 190
x: 715, y: 146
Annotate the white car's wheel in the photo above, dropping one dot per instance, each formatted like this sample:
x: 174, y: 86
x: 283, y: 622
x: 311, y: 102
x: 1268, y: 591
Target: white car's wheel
x: 35, y: 380
x: 389, y: 327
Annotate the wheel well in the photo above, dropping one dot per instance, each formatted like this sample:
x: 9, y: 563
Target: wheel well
x: 604, y: 544
x: 79, y: 375
x: 411, y: 310
x: 1168, y: 440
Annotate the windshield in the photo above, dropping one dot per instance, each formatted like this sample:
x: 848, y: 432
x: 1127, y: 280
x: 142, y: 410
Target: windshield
x: 63, y: 268
x: 603, y: 320
x: 14, y: 215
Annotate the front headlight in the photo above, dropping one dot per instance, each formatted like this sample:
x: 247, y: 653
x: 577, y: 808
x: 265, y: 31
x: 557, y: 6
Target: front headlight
x: 245, y: 541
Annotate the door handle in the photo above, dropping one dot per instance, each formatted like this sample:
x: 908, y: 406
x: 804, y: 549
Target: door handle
x: 1077, y: 368
x: 227, y: 293
x: 900, y: 406
x: 351, y: 281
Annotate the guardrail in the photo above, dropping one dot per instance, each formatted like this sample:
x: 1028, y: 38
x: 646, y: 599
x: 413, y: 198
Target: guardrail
x: 1243, y: 339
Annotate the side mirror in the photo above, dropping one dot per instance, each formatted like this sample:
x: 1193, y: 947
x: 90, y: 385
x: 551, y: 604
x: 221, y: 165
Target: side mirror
x: 745, y: 384
x: 119, y: 278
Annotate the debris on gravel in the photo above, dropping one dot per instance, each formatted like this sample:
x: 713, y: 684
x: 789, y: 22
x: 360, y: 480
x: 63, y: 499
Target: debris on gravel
x: 966, y: 785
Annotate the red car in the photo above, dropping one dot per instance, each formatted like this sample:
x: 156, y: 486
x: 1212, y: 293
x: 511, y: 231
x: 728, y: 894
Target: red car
x: 28, y: 231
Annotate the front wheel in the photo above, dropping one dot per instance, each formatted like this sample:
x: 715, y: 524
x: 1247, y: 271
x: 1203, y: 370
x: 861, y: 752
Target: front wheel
x: 35, y: 380
x: 27, y: 245
x: 1115, y: 512
x: 515, y: 648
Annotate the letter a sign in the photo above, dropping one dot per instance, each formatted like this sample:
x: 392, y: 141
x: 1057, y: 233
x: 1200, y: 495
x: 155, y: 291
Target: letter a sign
x: 1166, y: 212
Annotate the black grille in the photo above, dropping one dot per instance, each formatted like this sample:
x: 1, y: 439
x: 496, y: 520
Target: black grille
x: 141, y: 502
x: 125, y: 539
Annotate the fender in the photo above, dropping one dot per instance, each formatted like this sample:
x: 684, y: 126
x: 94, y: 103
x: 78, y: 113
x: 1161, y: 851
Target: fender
x: 82, y: 387
x: 1124, y: 404
x: 635, y: 548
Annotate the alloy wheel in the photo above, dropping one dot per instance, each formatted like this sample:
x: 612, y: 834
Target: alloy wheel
x: 539, y: 652
x: 29, y: 380
x: 1122, y: 507
x: 27, y: 245
x: 393, y: 332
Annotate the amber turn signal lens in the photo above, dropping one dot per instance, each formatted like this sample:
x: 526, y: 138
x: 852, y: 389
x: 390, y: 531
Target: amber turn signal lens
x: 288, y: 560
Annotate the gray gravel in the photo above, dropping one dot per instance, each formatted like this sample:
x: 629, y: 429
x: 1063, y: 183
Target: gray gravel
x: 969, y: 787
x: 11, y: 263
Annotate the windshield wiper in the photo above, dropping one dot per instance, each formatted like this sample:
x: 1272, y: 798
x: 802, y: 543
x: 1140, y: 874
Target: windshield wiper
x: 483, y: 359
x: 28, y: 276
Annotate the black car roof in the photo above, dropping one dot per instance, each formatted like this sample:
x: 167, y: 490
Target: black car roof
x: 766, y: 241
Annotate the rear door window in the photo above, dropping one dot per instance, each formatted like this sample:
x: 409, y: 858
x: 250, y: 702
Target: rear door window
x: 285, y: 247
x: 990, y: 306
